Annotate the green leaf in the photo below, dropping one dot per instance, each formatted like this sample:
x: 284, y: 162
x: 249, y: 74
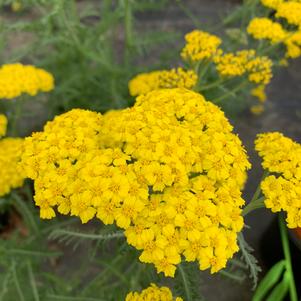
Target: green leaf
x: 249, y: 259
x: 281, y: 290
x: 271, y: 278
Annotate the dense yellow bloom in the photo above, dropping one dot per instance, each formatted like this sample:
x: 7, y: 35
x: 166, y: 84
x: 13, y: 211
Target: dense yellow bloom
x: 3, y: 125
x: 232, y: 64
x: 174, y: 78
x: 55, y: 157
x: 153, y: 293
x: 264, y: 28
x: 16, y: 79
x: 169, y: 171
x: 10, y: 155
x: 293, y: 44
x: 271, y: 3
x: 281, y: 156
x: 258, y: 68
x: 259, y: 92
x: 291, y: 11
x: 200, y: 45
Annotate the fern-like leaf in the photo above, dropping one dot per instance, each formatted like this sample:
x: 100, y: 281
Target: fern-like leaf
x: 249, y: 258
x: 68, y: 237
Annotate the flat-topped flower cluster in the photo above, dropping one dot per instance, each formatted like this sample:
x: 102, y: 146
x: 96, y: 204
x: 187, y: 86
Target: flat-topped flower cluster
x: 282, y: 190
x: 169, y: 171
x: 17, y: 79
x: 174, y: 78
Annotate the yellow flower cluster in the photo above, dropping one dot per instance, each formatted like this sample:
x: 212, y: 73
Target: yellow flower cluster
x: 174, y: 78
x: 152, y: 293
x: 293, y: 44
x: 10, y: 155
x: 16, y: 79
x: 258, y: 68
x: 291, y: 11
x: 282, y: 191
x: 169, y: 171
x: 3, y: 125
x: 275, y: 32
x: 264, y: 28
x: 200, y: 45
x: 55, y: 159
x: 271, y: 3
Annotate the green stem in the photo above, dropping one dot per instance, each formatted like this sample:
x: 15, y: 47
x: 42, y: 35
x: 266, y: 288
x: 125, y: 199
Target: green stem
x: 33, y: 282
x: 16, y: 116
x: 287, y: 256
x: 258, y: 190
x: 17, y: 284
x: 230, y: 92
x: 259, y: 203
x: 128, y: 23
x: 256, y: 202
x: 5, y: 282
x: 212, y: 85
x: 202, y: 70
x: 185, y: 282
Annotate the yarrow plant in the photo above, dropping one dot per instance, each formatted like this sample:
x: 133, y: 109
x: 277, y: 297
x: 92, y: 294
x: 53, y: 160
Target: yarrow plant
x: 160, y: 179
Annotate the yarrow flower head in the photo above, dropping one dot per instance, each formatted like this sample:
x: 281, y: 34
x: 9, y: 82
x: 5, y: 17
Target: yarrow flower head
x: 16, y: 79
x: 290, y: 11
x: 153, y: 293
x: 200, y: 45
x: 169, y: 171
x: 174, y: 78
x: 10, y: 155
x: 3, y: 125
x: 258, y: 68
x: 271, y: 3
x: 264, y: 28
x: 282, y: 190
